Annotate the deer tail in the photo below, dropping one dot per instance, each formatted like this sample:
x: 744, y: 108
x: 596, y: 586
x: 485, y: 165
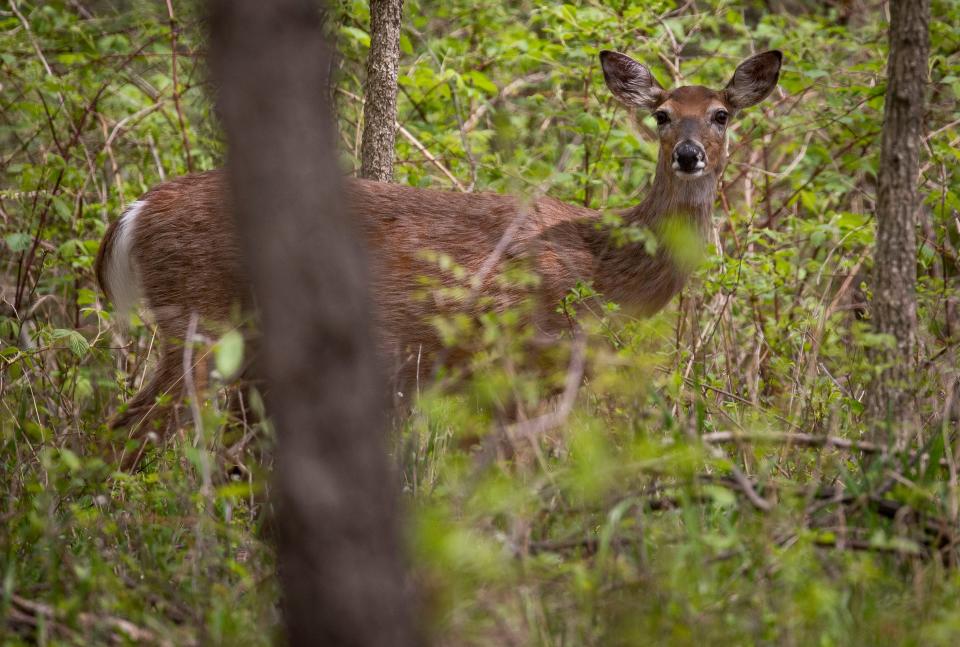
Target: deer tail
x: 116, y: 268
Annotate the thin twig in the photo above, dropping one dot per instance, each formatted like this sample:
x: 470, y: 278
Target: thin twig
x: 176, y: 85
x: 430, y: 158
x: 135, y: 116
x: 416, y: 144
x: 507, y: 91
x: 194, y: 397
x: 542, y: 424
x: 33, y: 41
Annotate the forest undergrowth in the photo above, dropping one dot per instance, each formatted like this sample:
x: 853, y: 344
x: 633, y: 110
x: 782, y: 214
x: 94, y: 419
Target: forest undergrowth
x: 706, y: 476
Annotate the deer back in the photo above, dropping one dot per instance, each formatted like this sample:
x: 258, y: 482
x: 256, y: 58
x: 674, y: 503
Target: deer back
x: 187, y: 260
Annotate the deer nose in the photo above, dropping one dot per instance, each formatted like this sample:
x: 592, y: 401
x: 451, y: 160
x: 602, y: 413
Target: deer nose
x: 689, y: 157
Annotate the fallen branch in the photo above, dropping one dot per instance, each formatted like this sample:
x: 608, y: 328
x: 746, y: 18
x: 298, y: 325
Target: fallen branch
x: 591, y: 545
x: 792, y: 438
x: 808, y: 440
x: 863, y: 545
x: 29, y: 609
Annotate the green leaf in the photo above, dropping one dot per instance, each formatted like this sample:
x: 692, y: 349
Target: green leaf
x: 69, y: 459
x: 77, y: 343
x: 405, y: 45
x: 357, y: 35
x: 18, y: 241
x: 228, y: 353
x: 236, y: 490
x: 721, y: 496
x: 483, y: 82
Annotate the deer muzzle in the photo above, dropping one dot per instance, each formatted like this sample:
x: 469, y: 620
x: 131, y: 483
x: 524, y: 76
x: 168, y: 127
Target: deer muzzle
x: 689, y: 158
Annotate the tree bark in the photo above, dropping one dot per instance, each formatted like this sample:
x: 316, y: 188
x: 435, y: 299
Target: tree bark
x: 895, y: 257
x: 337, y: 510
x: 380, y: 90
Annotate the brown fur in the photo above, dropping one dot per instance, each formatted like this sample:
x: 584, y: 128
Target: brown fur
x: 189, y: 260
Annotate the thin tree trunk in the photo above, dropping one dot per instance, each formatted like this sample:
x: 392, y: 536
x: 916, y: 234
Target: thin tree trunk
x: 338, y: 529
x: 380, y: 107
x: 895, y: 258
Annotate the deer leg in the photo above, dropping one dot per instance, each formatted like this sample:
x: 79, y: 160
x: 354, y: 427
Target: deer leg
x: 143, y: 411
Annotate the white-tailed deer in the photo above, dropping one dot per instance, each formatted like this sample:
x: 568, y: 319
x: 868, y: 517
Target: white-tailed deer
x: 175, y: 246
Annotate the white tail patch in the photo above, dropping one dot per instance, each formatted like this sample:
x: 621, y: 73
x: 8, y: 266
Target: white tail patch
x: 122, y: 275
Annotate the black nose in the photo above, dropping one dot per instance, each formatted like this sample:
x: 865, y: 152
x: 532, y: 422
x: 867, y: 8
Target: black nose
x: 689, y: 157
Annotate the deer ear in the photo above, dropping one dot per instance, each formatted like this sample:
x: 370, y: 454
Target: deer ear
x: 631, y: 82
x: 754, y: 79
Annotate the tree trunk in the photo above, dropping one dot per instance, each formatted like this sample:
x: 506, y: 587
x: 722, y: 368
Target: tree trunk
x: 380, y: 107
x: 895, y: 258
x: 337, y: 509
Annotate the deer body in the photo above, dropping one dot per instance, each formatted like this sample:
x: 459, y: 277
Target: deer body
x: 176, y: 248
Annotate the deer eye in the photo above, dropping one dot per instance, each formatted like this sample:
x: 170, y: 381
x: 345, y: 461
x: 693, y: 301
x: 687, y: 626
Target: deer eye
x: 662, y: 117
x: 721, y: 117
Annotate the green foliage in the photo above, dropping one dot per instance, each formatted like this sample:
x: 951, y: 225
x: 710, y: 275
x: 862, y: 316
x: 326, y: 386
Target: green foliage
x: 540, y: 513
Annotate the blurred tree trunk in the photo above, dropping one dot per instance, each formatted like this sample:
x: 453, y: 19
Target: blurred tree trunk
x: 380, y: 90
x: 895, y: 257
x: 337, y: 509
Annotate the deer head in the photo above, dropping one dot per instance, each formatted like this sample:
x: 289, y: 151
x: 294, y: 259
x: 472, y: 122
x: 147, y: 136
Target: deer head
x: 692, y: 120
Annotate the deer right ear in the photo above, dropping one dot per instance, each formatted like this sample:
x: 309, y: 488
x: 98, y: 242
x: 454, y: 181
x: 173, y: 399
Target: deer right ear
x: 631, y: 82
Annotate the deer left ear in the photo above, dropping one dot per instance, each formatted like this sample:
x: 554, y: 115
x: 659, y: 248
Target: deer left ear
x: 754, y: 79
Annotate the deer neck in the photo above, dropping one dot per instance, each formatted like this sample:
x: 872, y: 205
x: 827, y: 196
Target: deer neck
x: 674, y: 207
x: 690, y: 200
